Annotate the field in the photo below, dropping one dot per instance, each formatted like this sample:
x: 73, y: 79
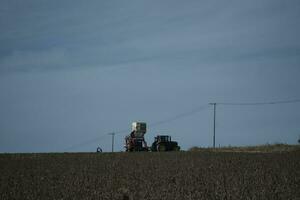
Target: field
x: 266, y: 148
x: 170, y: 175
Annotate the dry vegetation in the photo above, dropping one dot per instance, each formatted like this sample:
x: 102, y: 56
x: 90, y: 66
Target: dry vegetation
x: 174, y: 175
x: 267, y: 148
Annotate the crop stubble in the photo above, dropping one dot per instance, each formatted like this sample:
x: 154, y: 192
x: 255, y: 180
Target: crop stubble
x: 173, y: 175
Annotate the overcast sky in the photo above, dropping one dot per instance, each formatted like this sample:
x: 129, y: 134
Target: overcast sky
x: 72, y: 71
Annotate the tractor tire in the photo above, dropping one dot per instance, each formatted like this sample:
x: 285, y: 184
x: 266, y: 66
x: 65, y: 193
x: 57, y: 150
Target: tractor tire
x: 161, y: 148
x: 176, y: 148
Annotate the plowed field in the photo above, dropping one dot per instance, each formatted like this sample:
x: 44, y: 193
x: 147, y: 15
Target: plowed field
x: 174, y: 175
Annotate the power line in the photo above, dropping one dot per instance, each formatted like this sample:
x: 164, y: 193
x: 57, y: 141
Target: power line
x: 260, y: 103
x: 182, y: 115
x: 246, y: 104
x: 179, y: 116
x: 176, y: 117
x: 93, y: 140
x: 84, y: 143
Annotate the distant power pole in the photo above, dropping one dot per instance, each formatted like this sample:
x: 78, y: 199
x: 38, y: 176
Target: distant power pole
x: 214, y: 136
x: 112, y: 141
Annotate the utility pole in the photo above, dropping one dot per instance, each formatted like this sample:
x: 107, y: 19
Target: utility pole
x: 214, y: 136
x: 112, y: 141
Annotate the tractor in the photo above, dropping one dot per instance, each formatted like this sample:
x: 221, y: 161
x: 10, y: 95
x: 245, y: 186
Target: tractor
x: 164, y: 143
x: 136, y: 141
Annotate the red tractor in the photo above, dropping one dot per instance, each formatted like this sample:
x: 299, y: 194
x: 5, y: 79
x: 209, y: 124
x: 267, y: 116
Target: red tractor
x: 136, y: 141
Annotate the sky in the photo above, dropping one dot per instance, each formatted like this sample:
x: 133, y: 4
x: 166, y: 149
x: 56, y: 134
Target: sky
x: 73, y: 71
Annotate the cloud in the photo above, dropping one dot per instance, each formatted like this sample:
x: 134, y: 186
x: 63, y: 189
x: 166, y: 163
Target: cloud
x: 23, y: 61
x: 109, y: 34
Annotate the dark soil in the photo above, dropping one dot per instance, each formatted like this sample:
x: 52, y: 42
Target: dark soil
x: 170, y: 175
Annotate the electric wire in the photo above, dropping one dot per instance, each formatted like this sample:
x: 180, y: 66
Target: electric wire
x: 179, y: 116
x: 121, y: 131
x: 86, y: 142
x: 260, y: 103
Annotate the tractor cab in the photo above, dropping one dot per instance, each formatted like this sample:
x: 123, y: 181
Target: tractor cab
x: 162, y: 138
x: 164, y: 143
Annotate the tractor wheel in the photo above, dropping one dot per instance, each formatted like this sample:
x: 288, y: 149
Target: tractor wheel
x: 161, y: 147
x: 176, y: 148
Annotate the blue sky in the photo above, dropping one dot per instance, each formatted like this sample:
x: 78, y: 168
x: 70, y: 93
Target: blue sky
x: 72, y: 71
